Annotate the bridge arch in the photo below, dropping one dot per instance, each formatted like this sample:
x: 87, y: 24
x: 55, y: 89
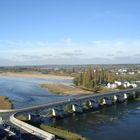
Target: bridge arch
x: 73, y: 108
x: 91, y: 104
x: 88, y: 104
x: 55, y: 112
x: 102, y: 101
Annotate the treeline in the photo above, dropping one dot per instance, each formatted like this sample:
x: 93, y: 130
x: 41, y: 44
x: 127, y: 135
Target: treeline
x: 53, y: 71
x: 95, y: 78
x: 91, y: 78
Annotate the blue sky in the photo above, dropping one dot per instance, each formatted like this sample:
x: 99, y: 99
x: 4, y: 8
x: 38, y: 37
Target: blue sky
x: 69, y: 32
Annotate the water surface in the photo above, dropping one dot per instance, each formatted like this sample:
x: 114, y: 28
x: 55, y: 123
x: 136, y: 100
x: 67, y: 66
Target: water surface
x: 27, y: 91
x: 119, y: 122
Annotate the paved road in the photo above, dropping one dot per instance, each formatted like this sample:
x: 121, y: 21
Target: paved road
x: 24, y: 135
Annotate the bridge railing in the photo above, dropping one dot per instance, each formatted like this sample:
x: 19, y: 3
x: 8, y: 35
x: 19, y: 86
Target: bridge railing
x: 31, y: 129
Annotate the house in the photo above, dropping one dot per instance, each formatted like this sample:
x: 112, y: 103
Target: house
x: 127, y: 84
x: 119, y: 83
x: 109, y: 85
x: 131, y: 73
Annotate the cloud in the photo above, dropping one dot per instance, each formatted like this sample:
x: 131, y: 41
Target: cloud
x: 75, y: 53
x: 110, y: 55
x: 67, y: 40
x: 119, y: 52
x: 7, y: 62
x: 136, y: 55
x: 68, y: 52
x: 120, y: 44
x: 27, y: 57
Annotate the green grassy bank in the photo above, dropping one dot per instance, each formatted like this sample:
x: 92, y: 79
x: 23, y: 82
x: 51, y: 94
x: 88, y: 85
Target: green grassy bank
x: 62, y: 133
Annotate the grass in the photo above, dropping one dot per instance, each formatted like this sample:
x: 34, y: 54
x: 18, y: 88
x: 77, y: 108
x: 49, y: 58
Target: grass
x: 62, y: 133
x: 22, y: 117
x: 137, y: 99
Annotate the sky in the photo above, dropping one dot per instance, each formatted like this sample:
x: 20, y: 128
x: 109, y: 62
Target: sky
x: 39, y: 32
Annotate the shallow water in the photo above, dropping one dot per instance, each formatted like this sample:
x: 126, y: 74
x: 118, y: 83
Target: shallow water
x: 27, y: 91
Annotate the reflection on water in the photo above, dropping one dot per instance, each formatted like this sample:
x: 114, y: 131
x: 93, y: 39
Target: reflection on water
x: 27, y: 91
x: 119, y: 122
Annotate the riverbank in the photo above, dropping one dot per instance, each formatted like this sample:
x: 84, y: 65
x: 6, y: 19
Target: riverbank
x: 137, y: 99
x: 35, y: 75
x: 67, y: 135
x: 62, y: 89
x: 5, y: 103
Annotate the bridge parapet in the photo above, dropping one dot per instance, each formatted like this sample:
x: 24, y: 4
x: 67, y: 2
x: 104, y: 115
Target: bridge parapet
x: 31, y: 129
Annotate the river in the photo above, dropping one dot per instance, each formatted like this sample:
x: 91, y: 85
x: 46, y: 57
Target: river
x: 118, y: 122
x: 24, y: 92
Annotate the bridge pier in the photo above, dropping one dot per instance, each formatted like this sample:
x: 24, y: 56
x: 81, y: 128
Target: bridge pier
x: 114, y: 99
x: 90, y: 104
x: 125, y: 96
x: 74, y: 108
x: 102, y: 102
x: 55, y: 113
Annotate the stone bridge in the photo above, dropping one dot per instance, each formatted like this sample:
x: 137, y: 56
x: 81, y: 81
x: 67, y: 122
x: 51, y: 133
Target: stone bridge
x: 81, y: 104
x: 69, y: 106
